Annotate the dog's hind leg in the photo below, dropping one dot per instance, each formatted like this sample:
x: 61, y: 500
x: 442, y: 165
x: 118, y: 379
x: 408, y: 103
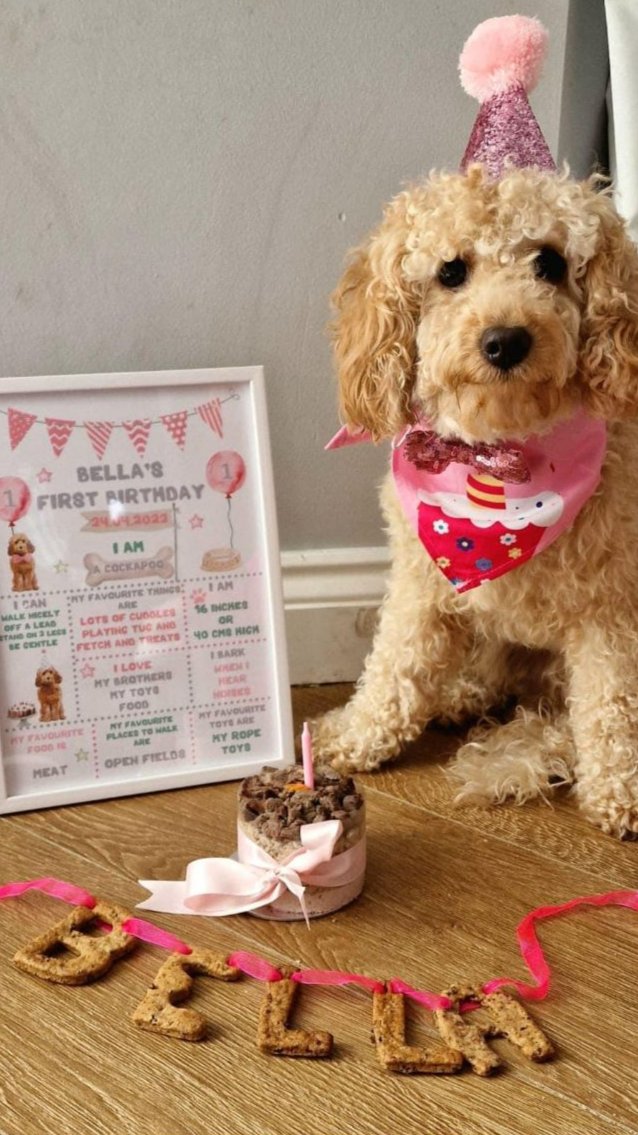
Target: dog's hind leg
x: 528, y: 756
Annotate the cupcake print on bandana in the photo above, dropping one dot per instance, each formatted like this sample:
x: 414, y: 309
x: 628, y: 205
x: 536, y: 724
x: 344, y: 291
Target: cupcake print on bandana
x: 477, y: 527
x: 480, y: 534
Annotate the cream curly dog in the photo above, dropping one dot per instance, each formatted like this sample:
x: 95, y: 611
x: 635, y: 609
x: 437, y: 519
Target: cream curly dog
x: 543, y: 252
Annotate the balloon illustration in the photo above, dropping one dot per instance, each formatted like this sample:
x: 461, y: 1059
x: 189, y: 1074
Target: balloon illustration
x: 226, y: 472
x: 15, y: 499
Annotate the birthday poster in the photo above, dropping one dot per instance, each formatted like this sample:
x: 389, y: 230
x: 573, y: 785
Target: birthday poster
x: 140, y: 620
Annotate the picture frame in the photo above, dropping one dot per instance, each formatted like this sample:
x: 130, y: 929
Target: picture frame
x: 142, y: 640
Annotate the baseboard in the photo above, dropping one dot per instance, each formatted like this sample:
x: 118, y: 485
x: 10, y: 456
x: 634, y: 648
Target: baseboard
x: 331, y: 599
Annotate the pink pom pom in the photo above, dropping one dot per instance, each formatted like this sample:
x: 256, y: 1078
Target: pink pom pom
x: 502, y: 53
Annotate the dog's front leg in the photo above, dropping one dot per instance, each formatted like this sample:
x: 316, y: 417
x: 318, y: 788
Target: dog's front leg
x: 602, y: 668
x: 417, y: 650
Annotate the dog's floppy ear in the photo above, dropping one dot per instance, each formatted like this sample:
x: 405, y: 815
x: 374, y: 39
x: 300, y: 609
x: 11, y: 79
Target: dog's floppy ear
x: 609, y: 330
x: 30, y: 547
x: 374, y: 330
x: 38, y: 678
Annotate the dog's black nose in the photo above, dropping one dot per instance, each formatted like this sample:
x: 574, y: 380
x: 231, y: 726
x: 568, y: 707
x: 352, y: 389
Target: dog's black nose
x: 505, y: 347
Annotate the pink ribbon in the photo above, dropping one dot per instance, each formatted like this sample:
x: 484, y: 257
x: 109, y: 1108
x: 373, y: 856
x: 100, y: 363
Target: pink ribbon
x: 422, y: 996
x: 254, y: 966
x: 146, y: 932
x: 219, y: 887
x: 311, y: 868
x: 336, y: 977
x: 68, y: 892
x: 530, y: 947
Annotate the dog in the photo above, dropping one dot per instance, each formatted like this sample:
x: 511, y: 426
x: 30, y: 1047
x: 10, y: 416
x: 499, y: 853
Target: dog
x: 20, y: 552
x: 48, y: 683
x: 453, y: 259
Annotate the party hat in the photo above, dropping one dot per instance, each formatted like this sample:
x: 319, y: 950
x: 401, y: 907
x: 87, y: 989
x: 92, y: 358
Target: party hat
x: 499, y: 65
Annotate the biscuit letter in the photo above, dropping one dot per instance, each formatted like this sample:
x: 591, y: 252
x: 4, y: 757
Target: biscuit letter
x: 273, y: 1034
x: 69, y: 955
x: 173, y: 983
x: 388, y: 1033
x: 507, y: 1018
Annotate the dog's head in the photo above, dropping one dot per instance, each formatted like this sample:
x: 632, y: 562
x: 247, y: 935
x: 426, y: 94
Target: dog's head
x: 493, y: 308
x: 20, y: 545
x: 48, y: 676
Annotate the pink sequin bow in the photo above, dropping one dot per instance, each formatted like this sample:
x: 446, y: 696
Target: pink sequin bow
x: 427, y: 450
x: 219, y: 887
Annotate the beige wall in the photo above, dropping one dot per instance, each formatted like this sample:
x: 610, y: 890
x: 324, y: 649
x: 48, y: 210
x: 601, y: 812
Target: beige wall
x: 182, y: 178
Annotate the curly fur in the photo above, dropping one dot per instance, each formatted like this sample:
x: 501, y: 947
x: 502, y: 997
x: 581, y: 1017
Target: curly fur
x: 48, y: 683
x: 406, y: 345
x: 20, y: 551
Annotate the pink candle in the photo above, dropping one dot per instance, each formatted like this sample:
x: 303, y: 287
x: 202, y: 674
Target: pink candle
x: 306, y: 753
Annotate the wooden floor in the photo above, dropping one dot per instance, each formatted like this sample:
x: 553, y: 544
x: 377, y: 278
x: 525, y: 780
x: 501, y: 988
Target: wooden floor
x: 446, y: 888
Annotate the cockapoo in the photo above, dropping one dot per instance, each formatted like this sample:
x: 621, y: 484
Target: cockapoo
x: 499, y: 310
x: 22, y: 561
x: 48, y: 682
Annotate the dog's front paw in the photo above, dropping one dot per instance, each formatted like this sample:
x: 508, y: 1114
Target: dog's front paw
x: 350, y: 742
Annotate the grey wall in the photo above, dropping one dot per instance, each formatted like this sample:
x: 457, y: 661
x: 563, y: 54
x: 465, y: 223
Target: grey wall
x: 182, y: 178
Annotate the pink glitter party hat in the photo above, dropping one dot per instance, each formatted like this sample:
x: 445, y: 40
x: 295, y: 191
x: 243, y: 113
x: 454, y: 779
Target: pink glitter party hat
x: 499, y: 65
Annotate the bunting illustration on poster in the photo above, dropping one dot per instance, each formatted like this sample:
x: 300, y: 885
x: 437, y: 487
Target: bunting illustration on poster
x: 150, y: 596
x: 138, y: 430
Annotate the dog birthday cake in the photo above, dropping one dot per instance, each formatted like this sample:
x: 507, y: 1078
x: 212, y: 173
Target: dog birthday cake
x: 282, y: 817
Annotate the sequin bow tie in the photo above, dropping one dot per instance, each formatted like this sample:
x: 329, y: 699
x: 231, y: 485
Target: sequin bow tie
x: 428, y: 450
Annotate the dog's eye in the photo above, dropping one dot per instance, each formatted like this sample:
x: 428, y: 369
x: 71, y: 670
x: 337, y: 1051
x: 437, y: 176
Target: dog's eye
x: 452, y: 273
x: 549, y: 265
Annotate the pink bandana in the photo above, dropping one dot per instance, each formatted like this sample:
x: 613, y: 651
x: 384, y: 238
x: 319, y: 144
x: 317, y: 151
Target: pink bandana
x: 476, y: 527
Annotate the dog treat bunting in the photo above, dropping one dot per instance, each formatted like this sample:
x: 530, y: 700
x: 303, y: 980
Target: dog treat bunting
x: 141, y: 624
x: 69, y: 954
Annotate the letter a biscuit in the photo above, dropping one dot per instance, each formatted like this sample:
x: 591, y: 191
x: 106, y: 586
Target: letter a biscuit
x: 507, y: 1018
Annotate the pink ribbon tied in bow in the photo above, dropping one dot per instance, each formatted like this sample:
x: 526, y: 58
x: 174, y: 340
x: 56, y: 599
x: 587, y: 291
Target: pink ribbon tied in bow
x: 218, y: 887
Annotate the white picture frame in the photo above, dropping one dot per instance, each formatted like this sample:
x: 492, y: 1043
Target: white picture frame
x: 144, y: 597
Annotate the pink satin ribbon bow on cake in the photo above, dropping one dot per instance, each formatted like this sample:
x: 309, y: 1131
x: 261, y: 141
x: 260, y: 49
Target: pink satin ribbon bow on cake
x: 218, y: 887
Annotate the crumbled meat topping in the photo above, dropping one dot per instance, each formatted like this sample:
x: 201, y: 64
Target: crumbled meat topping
x: 273, y: 802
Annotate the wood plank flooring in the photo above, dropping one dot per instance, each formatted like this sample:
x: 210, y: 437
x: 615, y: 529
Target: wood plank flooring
x: 445, y: 889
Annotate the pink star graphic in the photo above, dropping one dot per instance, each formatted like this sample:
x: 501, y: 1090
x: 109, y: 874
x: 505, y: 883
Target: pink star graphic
x: 196, y: 521
x: 44, y: 475
x: 198, y: 596
x: 87, y: 670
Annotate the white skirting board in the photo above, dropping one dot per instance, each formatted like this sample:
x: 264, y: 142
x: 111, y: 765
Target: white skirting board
x: 331, y: 599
